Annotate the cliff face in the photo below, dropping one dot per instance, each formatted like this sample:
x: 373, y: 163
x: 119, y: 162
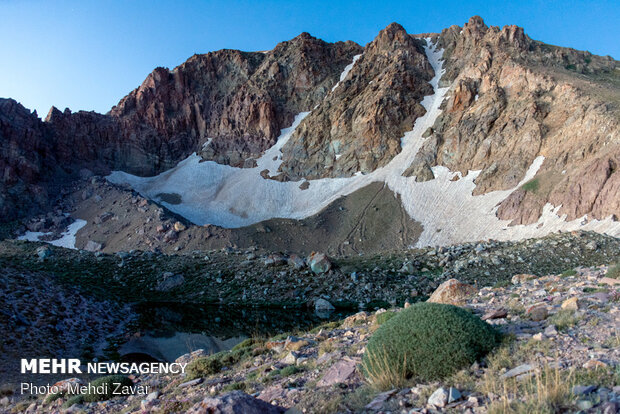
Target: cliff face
x: 237, y: 102
x: 26, y: 161
x: 513, y: 99
x: 359, y: 124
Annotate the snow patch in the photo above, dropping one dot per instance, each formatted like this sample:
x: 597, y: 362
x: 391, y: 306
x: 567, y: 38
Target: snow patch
x: 346, y: 71
x: 234, y: 197
x: 67, y: 238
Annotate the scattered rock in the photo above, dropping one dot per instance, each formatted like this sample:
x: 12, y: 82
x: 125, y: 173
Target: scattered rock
x: 377, y: 403
x: 235, y: 402
x: 439, y: 398
x: 520, y: 370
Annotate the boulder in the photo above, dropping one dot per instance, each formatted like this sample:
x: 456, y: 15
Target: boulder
x: 537, y: 313
x: 323, y: 305
x: 93, y: 246
x: 571, y: 303
x: 170, y: 281
x: 338, y: 373
x: 452, y: 292
x: 319, y: 263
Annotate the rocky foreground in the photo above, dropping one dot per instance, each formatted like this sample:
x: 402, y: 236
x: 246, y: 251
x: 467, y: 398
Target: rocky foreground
x: 561, y: 353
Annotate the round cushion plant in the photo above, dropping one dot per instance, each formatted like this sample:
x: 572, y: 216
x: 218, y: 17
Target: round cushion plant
x: 427, y: 341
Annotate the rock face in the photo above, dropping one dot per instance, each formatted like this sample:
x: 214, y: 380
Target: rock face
x: 359, y: 124
x: 513, y: 99
x: 235, y: 102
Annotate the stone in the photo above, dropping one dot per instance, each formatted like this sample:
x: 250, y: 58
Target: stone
x: 495, y: 314
x: 610, y: 281
x: 537, y: 313
x: 319, y: 263
x: 170, y: 281
x: 296, y: 262
x: 295, y: 344
x: 93, y: 246
x: 583, y: 389
x: 452, y: 292
x: 453, y: 395
x: 520, y: 278
x: 191, y: 383
x: 584, y: 404
x: 44, y: 252
x: 520, y: 370
x: 550, y: 331
x: 272, y: 393
x: 290, y: 358
x: 64, y: 385
x: 323, y: 305
x: 377, y: 403
x: 274, y: 260
x: 178, y: 226
x: 538, y: 337
x: 439, y: 398
x: 235, y: 402
x: 610, y: 407
x: 338, y: 373
x: 594, y: 364
x: 571, y: 303
x: 152, y: 396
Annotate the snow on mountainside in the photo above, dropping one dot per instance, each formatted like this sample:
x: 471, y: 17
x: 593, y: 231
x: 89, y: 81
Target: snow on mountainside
x: 217, y: 194
x: 477, y: 131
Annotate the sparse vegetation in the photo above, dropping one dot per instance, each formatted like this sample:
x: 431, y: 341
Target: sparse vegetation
x: 203, y: 367
x: 548, y: 391
x: 614, y: 271
x: 564, y: 319
x: 531, y: 186
x: 427, y: 341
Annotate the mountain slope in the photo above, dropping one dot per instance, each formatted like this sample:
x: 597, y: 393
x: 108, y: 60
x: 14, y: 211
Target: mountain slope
x: 481, y: 131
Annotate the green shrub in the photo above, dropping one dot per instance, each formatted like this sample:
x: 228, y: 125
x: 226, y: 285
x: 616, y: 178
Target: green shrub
x: 203, y: 367
x: 108, y: 380
x: 426, y: 341
x: 531, y: 185
x: 383, y: 317
x: 567, y: 273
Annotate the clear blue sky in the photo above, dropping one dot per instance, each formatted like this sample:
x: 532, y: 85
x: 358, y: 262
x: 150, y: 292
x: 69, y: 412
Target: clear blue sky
x: 89, y: 54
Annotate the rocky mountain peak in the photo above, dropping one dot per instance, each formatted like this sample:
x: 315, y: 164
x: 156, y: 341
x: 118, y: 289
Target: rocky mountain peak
x: 393, y: 37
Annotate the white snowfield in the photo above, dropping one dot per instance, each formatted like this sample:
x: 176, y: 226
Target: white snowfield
x: 234, y: 197
x: 67, y: 240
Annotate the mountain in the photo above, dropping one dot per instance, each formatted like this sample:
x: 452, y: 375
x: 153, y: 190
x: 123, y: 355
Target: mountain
x: 477, y: 131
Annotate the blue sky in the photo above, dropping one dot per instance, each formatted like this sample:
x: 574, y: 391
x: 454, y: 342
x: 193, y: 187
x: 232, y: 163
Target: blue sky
x: 89, y: 54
